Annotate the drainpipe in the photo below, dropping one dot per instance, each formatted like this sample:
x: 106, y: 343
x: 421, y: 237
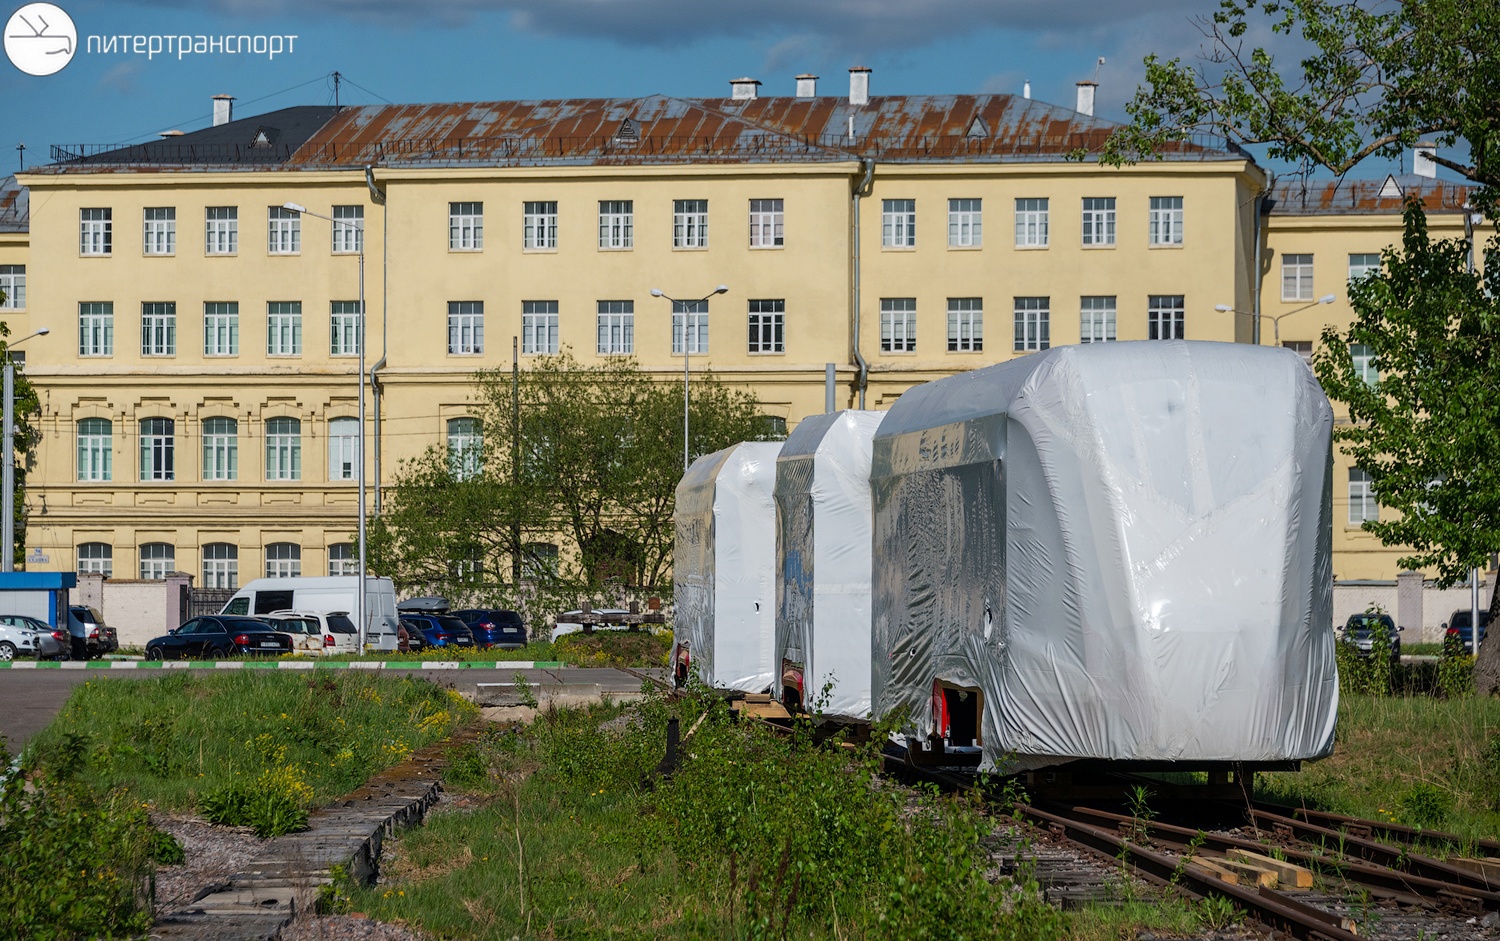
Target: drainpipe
x: 1263, y: 204
x: 385, y: 281
x: 861, y: 190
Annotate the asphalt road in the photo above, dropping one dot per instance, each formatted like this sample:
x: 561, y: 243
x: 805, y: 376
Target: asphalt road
x: 31, y: 699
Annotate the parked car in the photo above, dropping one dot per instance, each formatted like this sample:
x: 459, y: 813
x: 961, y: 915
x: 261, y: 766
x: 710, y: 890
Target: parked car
x: 440, y: 630
x: 409, y: 638
x: 92, y: 638
x: 261, y: 596
x: 317, y: 633
x: 218, y: 636
x: 1360, y: 631
x: 22, y: 636
x: 610, y: 619
x: 494, y: 627
x: 1459, y: 625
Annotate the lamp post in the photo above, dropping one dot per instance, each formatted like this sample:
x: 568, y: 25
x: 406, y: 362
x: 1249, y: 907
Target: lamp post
x: 1275, y: 321
x: 657, y: 292
x: 8, y: 528
x: 359, y: 450
x: 1472, y: 219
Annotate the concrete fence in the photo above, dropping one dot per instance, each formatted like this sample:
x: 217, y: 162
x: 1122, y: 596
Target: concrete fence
x: 1420, y: 607
x: 138, y: 610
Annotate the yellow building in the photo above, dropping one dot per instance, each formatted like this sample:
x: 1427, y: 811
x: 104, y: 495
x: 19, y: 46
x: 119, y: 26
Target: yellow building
x: 199, y: 386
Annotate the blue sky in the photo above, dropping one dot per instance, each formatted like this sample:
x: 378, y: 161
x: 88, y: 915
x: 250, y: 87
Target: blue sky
x: 471, y: 50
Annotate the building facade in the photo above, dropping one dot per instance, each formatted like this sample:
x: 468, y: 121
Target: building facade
x: 200, y: 388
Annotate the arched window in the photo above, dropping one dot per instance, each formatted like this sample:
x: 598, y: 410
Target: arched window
x: 283, y: 560
x: 283, y: 449
x: 157, y: 559
x: 343, y: 448
x: 95, y: 449
x: 221, y: 449
x: 342, y: 559
x: 465, y: 447
x: 221, y: 565
x: 97, y: 558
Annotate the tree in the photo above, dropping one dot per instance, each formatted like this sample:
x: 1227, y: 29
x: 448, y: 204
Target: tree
x: 595, y: 467
x: 27, y: 405
x: 1377, y: 78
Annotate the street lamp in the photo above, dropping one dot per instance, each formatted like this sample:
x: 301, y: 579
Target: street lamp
x: 8, y: 528
x: 359, y: 451
x: 1275, y: 321
x: 657, y: 292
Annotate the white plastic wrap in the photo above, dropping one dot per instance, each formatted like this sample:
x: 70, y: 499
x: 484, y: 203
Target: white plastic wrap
x: 1126, y: 547
x: 823, y: 530
x: 723, y: 569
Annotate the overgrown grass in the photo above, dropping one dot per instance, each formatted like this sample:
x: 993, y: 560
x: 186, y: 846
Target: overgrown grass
x: 257, y: 747
x: 614, y: 649
x: 1416, y: 760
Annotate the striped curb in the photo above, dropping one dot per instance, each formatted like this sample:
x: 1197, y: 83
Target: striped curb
x: 282, y: 665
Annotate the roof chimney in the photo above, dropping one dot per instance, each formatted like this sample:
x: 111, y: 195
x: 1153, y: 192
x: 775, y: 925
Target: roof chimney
x: 1026, y: 90
x: 1086, y: 97
x: 1422, y: 163
x: 807, y: 86
x: 743, y: 88
x: 223, y: 109
x: 859, y: 85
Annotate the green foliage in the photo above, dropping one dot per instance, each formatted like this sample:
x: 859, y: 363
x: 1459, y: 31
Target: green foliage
x: 77, y: 860
x: 1455, y: 668
x: 1369, y: 674
x: 269, y: 809
x: 334, y: 895
x: 166, y: 849
x: 28, y: 407
x: 1371, y: 79
x: 1424, y: 805
x: 590, y: 452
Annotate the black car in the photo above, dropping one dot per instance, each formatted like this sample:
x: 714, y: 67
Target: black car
x: 494, y: 627
x: 1459, y: 627
x: 219, y: 635
x: 1360, y: 631
x: 409, y: 637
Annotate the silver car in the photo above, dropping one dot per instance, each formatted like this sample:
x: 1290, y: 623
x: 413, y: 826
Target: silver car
x: 22, y: 636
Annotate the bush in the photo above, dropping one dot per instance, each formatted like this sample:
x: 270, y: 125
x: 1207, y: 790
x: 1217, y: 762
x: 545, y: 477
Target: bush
x: 1370, y: 673
x: 1455, y: 669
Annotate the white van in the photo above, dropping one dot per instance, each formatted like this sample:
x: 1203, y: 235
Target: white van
x: 324, y: 594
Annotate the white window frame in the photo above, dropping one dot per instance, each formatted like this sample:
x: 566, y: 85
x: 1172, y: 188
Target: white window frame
x: 159, y: 328
x: 96, y: 449
x: 1297, y: 277
x: 157, y: 447
x: 221, y: 230
x: 1166, y: 317
x: 690, y: 223
x: 539, y: 328
x: 616, y: 225
x: 1099, y: 221
x: 283, y: 328
x: 284, y: 231
x: 96, y: 328
x: 691, y: 316
x: 1363, y: 506
x: 343, y: 328
x: 1303, y: 348
x: 466, y: 227
x: 96, y: 232
x: 465, y: 328
x: 348, y: 229
x: 1365, y: 367
x: 539, y: 226
x: 221, y: 565
x: 283, y: 560
x: 283, y: 449
x: 898, y: 223
x: 1097, y: 318
x: 1033, y: 324
x: 96, y: 558
x: 965, y: 223
x: 1032, y: 219
x: 767, y: 320
x: 159, y: 230
x: 965, y: 324
x: 157, y: 560
x: 767, y: 223
x: 1368, y: 264
x: 615, y: 321
x: 343, y: 448
x: 465, y: 448
x: 1166, y: 221
x: 13, y: 287
x: 221, y: 448
x: 342, y: 559
x: 221, y: 328
x: 898, y: 325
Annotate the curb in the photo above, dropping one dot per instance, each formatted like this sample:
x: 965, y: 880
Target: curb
x: 282, y: 665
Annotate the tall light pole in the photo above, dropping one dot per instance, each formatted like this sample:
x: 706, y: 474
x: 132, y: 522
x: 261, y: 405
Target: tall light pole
x: 8, y: 527
x: 657, y: 292
x: 1275, y: 321
x: 359, y: 450
x: 1472, y: 220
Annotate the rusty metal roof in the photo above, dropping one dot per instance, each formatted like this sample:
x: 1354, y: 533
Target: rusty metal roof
x: 15, y: 206
x: 1345, y: 197
x: 659, y: 129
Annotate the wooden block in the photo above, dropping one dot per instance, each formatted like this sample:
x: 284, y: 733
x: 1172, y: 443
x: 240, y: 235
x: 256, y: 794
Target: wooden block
x: 1212, y: 867
x: 1287, y: 873
x: 1250, y: 873
x: 1488, y: 867
x: 757, y: 697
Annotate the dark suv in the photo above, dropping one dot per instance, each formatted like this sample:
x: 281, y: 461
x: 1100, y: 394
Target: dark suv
x: 1460, y: 626
x: 440, y: 630
x: 494, y: 627
x: 91, y: 636
x: 1360, y: 630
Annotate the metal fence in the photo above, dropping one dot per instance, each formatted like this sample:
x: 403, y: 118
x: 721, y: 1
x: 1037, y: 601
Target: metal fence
x: 203, y: 601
